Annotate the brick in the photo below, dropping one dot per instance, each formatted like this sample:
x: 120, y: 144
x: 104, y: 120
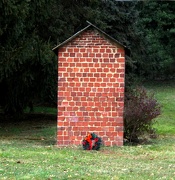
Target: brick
x: 72, y: 54
x: 61, y: 108
x: 65, y: 54
x: 61, y: 59
x: 120, y: 80
x: 107, y: 143
x: 62, y: 49
x: 85, y: 54
x: 60, y: 117
x: 82, y: 50
x: 105, y: 55
x: 106, y: 60
x: 117, y: 55
x: 90, y: 90
x: 69, y: 50
x: 102, y: 50
x: 60, y: 113
x: 75, y: 50
x: 111, y: 55
x: 120, y: 50
x: 99, y: 70
x: 73, y: 94
x: 102, y: 75
x: 106, y: 70
x: 87, y: 70
x: 97, y: 65
x: 98, y: 55
x: 121, y: 60
x: 62, y: 69
x: 108, y: 50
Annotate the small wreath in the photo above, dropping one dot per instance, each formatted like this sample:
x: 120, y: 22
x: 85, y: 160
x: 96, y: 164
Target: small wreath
x: 92, y: 142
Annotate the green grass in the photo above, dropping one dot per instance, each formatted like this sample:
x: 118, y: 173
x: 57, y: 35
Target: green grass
x: 22, y: 159
x: 42, y: 110
x: 165, y: 94
x: 33, y: 127
x: 28, y: 151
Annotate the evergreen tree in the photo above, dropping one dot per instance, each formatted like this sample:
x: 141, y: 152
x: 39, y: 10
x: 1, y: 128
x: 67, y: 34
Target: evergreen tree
x: 30, y: 29
x: 158, y: 29
x: 27, y: 63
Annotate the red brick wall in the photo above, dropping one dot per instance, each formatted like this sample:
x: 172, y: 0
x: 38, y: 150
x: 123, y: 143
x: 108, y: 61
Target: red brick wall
x: 90, y: 90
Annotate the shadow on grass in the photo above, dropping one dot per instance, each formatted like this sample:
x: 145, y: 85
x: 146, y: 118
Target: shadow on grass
x: 36, y: 128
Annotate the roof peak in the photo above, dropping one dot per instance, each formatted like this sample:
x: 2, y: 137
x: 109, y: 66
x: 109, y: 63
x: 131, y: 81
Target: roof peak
x: 55, y: 49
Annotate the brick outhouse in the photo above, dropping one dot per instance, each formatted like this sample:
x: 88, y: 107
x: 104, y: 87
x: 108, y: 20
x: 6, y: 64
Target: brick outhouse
x: 91, y: 80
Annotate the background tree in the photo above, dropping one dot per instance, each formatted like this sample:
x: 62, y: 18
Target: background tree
x: 30, y: 29
x: 26, y: 58
x: 156, y: 22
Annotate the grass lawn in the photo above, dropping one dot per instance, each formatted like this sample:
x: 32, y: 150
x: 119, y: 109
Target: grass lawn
x: 28, y: 151
x: 165, y: 94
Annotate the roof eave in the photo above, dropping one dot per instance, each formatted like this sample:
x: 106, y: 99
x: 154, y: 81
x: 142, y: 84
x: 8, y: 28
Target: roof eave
x: 55, y: 49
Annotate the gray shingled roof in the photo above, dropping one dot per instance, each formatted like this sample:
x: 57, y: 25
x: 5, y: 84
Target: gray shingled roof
x: 55, y: 49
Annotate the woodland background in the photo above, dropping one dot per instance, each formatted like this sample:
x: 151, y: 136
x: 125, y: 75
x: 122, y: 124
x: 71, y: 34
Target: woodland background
x: 29, y: 29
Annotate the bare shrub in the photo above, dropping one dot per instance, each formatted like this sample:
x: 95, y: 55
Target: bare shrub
x: 141, y: 109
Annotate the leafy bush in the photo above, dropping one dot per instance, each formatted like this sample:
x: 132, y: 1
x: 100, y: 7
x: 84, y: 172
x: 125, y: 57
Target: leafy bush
x: 140, y: 110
